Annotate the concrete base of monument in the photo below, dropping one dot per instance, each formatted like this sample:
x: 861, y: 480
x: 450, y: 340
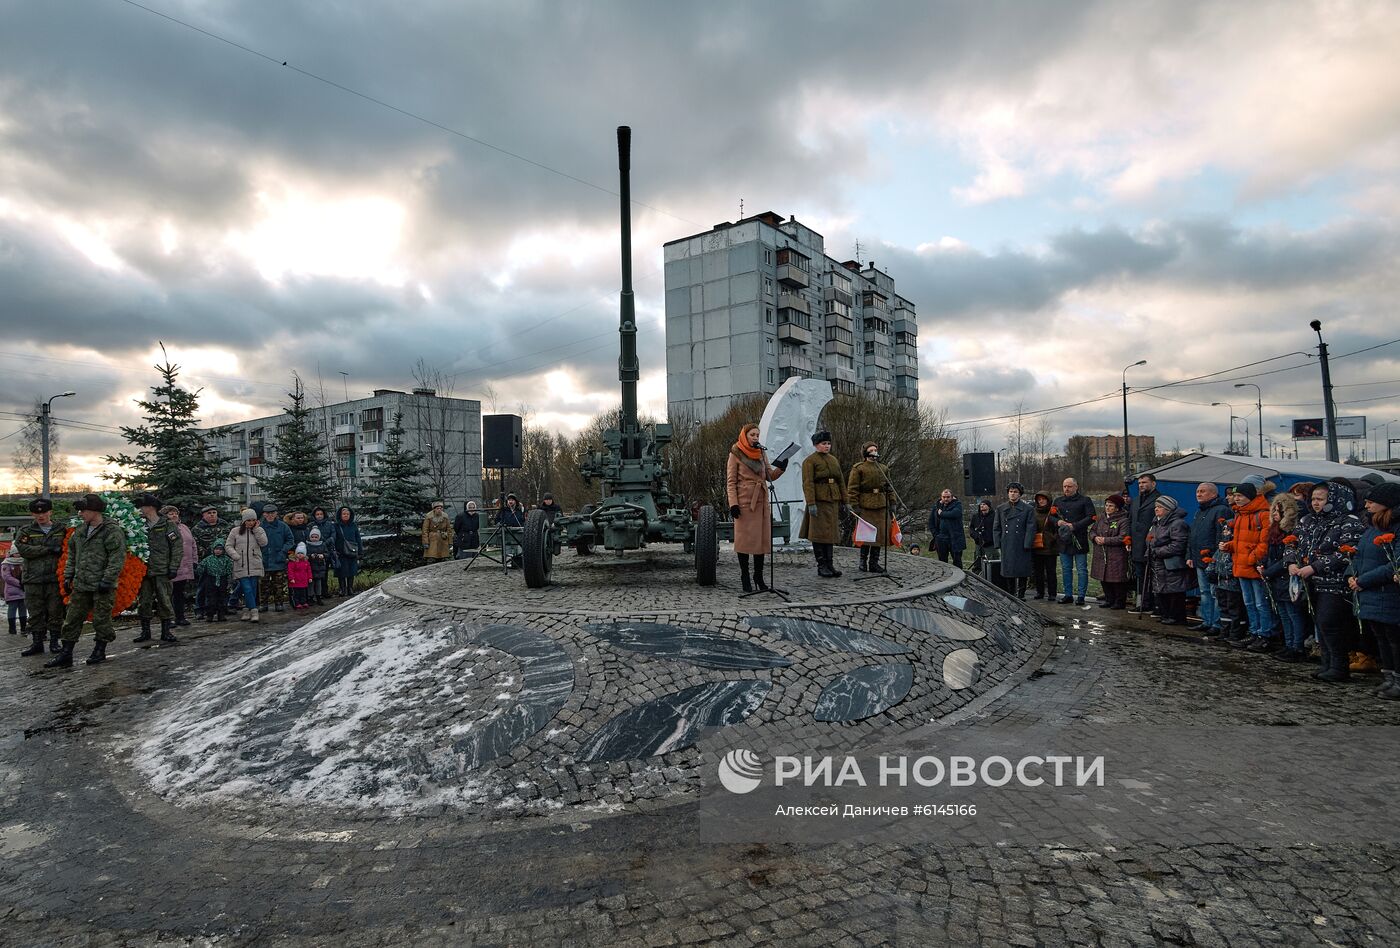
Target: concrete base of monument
x: 620, y: 686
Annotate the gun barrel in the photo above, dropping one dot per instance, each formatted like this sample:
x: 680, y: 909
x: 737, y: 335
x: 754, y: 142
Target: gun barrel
x: 628, y: 368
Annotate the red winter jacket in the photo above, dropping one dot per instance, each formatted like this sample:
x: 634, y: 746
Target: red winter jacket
x: 298, y: 573
x: 1249, y: 545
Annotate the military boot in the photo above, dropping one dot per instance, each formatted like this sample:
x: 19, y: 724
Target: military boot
x: 98, y: 656
x: 824, y: 568
x: 166, y: 636
x: 145, y: 635
x: 55, y: 643
x: 865, y: 558
x: 875, y: 566
x: 831, y: 560
x: 36, y: 647
x: 63, y: 658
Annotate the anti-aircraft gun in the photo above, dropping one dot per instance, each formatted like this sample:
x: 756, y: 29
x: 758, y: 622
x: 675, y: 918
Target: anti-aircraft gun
x: 636, y: 508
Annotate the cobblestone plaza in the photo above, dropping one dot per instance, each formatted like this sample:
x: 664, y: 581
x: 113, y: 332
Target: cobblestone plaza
x: 453, y: 759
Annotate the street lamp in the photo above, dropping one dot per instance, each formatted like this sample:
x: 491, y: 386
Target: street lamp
x: 1259, y: 404
x: 1127, y: 455
x: 1328, y: 408
x: 44, y: 436
x: 1387, y: 438
x: 1230, y: 441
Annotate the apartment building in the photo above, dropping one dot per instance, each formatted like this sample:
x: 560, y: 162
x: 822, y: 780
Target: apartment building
x: 754, y: 303
x: 447, y: 431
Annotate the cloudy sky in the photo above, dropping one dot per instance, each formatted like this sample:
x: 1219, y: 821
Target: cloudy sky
x: 1062, y: 188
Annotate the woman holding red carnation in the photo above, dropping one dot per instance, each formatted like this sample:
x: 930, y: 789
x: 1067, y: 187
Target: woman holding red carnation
x: 1375, y: 586
x: 1332, y: 529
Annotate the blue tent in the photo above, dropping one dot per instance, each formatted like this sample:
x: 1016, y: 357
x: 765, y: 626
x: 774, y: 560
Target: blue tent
x: 1178, y: 479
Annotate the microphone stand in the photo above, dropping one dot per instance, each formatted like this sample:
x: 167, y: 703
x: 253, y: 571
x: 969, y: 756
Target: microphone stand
x: 772, y: 589
x: 500, y: 531
x: 889, y: 522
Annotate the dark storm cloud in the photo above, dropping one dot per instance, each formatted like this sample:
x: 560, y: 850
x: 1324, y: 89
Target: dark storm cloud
x: 1195, y: 253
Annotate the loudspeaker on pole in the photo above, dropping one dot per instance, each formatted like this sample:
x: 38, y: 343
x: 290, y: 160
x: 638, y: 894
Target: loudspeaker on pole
x: 979, y: 474
x: 501, y: 441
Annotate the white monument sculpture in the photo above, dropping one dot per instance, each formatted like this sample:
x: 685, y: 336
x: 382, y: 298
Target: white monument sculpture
x: 792, y: 417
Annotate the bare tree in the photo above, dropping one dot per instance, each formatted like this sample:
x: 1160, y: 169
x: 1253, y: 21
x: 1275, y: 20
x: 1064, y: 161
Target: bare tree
x: 29, y: 453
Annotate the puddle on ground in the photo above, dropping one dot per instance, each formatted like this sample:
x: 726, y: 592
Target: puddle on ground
x: 70, y: 717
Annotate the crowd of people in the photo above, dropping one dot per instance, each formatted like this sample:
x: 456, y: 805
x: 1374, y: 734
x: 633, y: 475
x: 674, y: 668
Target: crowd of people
x: 1270, y: 571
x: 266, y: 561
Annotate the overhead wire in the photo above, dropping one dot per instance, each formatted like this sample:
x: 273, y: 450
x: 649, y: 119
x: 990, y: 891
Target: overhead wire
x: 407, y: 113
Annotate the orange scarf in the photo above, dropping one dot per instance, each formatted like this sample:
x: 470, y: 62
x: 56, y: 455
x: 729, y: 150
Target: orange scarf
x: 753, y: 454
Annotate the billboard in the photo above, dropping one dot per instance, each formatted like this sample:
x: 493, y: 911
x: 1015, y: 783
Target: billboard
x: 1351, y: 427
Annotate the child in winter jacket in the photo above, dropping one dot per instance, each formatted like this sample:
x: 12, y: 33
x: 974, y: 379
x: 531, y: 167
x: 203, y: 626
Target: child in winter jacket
x: 214, y: 573
x: 299, y: 577
x: 322, y: 559
x: 12, y: 571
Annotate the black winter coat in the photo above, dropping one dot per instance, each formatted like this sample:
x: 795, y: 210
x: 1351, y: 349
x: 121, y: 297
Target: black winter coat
x: 1206, y: 527
x: 1140, y: 516
x: 1077, y: 513
x: 946, y: 525
x: 980, y: 529
x: 466, y: 531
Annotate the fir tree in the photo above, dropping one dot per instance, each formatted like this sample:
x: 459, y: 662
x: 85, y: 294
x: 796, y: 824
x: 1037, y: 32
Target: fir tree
x: 176, y: 461
x: 395, y: 492
x: 300, y: 471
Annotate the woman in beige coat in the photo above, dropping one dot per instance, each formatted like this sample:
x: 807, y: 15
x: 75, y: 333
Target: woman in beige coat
x: 747, y: 480
x: 437, y: 534
x: 244, y: 546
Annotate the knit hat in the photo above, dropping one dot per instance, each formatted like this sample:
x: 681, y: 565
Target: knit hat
x: 820, y: 436
x: 1386, y: 494
x: 40, y: 505
x: 1166, y: 503
x: 315, y: 534
x: 1118, y: 501
x: 1246, y: 489
x: 168, y: 509
x: 1256, y: 479
x: 301, y: 548
x: 248, y: 514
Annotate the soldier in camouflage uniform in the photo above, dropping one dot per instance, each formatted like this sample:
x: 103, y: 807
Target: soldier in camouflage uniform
x: 41, y: 544
x: 96, y: 555
x: 162, y: 563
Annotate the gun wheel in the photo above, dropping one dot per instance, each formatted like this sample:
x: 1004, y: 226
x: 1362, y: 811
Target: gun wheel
x: 538, y: 553
x: 583, y: 547
x: 706, y: 546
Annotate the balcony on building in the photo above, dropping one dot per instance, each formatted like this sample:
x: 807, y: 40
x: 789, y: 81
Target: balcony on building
x: 794, y: 301
x: 872, y: 301
x: 907, y: 327
x: 344, y: 442
x: 844, y: 387
x: 792, y: 359
x: 874, y: 324
x: 794, y: 327
x: 834, y: 294
x: 792, y: 268
x: 906, y: 386
x: 839, y: 373
x: 879, y: 386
